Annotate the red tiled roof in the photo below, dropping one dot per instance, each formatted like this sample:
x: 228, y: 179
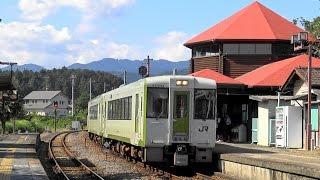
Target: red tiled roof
x: 276, y: 74
x: 254, y: 22
x: 219, y: 78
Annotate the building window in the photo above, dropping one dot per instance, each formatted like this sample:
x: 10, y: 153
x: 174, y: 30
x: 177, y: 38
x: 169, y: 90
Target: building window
x: 247, y: 49
x: 43, y: 101
x: 230, y: 48
x: 263, y: 49
x: 203, y: 51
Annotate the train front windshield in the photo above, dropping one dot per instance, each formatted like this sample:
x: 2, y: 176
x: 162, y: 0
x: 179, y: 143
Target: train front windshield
x: 204, y: 104
x: 157, y: 103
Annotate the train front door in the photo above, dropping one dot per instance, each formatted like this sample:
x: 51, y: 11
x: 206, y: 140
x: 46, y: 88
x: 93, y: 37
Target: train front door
x: 180, y: 111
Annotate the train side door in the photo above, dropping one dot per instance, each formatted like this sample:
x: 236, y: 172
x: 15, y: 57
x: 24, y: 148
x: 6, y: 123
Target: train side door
x: 138, y: 116
x: 181, y: 110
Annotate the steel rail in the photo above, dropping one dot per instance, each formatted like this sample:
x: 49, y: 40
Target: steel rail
x: 71, y: 156
x: 53, y: 157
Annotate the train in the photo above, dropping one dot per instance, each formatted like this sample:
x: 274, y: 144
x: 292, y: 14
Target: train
x: 169, y: 119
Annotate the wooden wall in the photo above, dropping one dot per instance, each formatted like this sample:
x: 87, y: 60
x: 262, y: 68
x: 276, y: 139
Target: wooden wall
x: 233, y: 65
x: 237, y: 65
x: 211, y: 62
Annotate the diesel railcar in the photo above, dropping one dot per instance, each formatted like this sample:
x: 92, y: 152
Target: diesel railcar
x: 158, y: 119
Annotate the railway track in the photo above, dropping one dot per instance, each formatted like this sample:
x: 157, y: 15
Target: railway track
x: 67, y: 165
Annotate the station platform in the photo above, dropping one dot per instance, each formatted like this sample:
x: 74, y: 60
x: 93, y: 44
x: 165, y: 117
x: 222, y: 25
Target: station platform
x: 18, y: 158
x: 250, y: 160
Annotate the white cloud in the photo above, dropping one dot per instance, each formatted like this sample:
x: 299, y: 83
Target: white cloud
x: 170, y: 46
x: 36, y: 10
x: 95, y: 50
x: 31, y: 42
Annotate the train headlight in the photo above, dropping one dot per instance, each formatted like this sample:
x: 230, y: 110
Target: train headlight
x: 185, y: 83
x: 178, y: 83
x: 182, y: 83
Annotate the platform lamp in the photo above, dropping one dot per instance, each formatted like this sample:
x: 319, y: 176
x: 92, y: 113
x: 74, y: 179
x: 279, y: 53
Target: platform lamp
x: 301, y: 44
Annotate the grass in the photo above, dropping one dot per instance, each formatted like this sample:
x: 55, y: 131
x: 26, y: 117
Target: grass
x: 38, y: 124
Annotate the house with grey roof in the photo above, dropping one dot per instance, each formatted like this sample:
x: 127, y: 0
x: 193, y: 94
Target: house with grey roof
x: 41, y: 103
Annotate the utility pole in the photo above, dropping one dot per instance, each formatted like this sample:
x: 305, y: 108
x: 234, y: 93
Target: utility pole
x: 90, y: 87
x: 10, y: 64
x: 309, y: 98
x: 72, y: 89
x: 300, y: 43
x: 148, y: 65
x: 104, y: 87
x: 46, y: 81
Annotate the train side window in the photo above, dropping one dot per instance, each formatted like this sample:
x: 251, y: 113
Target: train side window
x: 126, y: 108
x: 129, y: 107
x: 93, y: 112
x: 120, y: 109
x: 157, y: 102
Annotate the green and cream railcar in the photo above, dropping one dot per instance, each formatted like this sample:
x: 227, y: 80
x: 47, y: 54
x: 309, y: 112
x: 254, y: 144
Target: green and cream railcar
x: 158, y: 119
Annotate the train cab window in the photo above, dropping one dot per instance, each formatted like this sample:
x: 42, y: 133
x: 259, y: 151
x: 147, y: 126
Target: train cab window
x: 157, y: 103
x: 181, y: 106
x: 204, y: 104
x: 93, y: 112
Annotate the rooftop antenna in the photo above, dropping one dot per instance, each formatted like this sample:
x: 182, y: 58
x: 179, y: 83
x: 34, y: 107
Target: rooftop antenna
x: 124, y: 77
x: 174, y: 71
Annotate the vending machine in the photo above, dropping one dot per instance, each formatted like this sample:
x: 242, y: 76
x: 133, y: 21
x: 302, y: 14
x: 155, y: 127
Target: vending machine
x: 289, y: 125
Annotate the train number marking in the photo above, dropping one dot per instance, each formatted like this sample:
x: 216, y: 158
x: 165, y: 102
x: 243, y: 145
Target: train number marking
x: 203, y: 128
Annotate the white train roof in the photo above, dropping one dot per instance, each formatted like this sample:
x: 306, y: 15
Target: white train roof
x: 199, y: 82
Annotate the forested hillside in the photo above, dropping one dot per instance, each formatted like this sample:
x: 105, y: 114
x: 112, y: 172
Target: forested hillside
x: 60, y: 79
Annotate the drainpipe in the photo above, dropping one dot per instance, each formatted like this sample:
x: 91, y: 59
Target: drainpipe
x: 279, y: 93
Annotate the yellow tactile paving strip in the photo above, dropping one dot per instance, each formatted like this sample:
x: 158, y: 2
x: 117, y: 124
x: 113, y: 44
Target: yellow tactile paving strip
x: 6, y: 163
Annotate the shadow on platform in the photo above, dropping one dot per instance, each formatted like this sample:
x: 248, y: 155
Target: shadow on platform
x: 228, y: 149
x: 18, y: 155
x: 13, y: 145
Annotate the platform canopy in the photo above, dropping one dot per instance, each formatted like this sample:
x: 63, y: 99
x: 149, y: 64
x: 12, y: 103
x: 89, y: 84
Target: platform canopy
x: 276, y: 74
x: 5, y: 83
x: 254, y: 22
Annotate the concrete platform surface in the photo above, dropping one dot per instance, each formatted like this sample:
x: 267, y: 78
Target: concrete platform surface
x: 18, y: 158
x: 300, y: 162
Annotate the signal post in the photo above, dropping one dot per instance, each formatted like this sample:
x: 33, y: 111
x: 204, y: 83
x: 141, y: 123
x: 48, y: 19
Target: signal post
x: 55, y: 106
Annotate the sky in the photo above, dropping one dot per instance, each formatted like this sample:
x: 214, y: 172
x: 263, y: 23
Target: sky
x: 56, y: 33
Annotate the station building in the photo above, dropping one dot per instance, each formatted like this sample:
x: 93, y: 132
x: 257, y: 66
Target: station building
x: 251, y: 57
x: 249, y: 39
x: 288, y: 78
